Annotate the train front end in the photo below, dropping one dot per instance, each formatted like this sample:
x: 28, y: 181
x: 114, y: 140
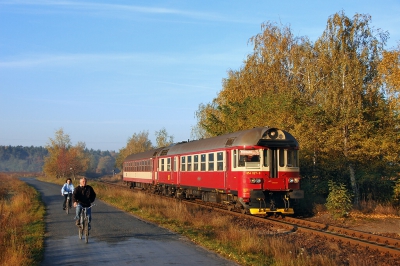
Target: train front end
x: 271, y: 180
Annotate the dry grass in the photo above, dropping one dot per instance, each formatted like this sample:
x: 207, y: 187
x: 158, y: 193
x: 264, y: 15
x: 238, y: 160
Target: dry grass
x: 21, y: 223
x: 372, y: 207
x: 112, y: 178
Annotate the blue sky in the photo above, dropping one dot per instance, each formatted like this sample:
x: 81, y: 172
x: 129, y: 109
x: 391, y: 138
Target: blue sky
x: 104, y: 70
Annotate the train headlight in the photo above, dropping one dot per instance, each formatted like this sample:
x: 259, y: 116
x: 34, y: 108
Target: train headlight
x: 294, y: 180
x: 291, y: 180
x: 255, y: 180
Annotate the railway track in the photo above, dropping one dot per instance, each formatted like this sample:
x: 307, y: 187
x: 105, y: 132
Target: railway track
x: 369, y: 241
x: 386, y: 246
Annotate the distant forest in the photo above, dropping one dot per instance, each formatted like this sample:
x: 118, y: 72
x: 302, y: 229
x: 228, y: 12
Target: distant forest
x: 31, y: 159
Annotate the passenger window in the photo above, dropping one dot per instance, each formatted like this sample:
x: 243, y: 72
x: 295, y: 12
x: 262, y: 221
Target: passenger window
x: 203, y: 162
x: 162, y: 164
x: 168, y: 164
x: 189, y: 163
x: 196, y: 163
x: 220, y: 161
x: 183, y: 163
x: 211, y: 162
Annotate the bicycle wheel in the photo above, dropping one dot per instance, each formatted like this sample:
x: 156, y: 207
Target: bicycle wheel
x: 80, y: 231
x: 86, y: 229
x: 67, y: 205
x: 81, y: 225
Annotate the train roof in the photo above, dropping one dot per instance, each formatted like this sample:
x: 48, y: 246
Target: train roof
x: 259, y: 136
x: 146, y: 154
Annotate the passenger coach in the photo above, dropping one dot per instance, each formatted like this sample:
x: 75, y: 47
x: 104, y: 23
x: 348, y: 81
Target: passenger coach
x: 255, y: 170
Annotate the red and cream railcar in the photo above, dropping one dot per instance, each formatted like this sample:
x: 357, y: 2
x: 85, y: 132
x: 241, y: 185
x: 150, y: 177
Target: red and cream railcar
x: 138, y: 169
x: 255, y: 170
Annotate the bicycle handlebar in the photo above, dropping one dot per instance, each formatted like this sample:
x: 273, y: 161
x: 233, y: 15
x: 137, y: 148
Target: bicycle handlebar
x: 88, y: 207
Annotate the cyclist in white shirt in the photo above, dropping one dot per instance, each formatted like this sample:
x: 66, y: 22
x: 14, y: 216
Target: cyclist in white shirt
x: 67, y: 188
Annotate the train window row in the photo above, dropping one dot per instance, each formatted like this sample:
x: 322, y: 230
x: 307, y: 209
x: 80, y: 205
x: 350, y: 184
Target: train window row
x: 139, y: 166
x: 213, y: 161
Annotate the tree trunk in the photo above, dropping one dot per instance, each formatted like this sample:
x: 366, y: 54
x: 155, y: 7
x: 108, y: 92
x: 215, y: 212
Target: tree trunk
x: 351, y: 168
x: 353, y: 184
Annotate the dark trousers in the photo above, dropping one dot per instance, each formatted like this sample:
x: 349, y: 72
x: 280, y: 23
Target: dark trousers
x: 65, y: 200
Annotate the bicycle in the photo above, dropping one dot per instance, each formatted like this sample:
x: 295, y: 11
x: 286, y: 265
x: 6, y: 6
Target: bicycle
x: 67, y: 204
x: 84, y: 224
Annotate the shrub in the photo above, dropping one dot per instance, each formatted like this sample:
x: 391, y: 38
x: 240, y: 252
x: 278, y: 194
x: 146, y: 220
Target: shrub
x: 339, y: 200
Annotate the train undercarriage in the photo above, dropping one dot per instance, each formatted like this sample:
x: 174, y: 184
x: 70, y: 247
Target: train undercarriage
x: 260, y: 202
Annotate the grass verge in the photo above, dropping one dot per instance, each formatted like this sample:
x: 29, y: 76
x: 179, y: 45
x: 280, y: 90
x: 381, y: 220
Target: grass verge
x: 21, y: 222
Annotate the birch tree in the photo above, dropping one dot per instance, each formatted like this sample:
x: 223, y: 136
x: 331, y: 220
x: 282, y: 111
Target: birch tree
x: 163, y: 139
x: 349, y: 53
x: 264, y: 90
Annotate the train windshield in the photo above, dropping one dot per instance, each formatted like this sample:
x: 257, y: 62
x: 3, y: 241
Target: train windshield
x: 292, y: 158
x: 271, y: 159
x: 249, y: 158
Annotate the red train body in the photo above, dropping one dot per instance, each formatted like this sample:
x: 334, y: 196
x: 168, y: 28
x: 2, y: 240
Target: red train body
x: 255, y: 170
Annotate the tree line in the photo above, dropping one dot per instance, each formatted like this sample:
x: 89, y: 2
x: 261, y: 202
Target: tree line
x: 32, y: 159
x: 339, y: 96
x: 22, y: 159
x: 65, y: 160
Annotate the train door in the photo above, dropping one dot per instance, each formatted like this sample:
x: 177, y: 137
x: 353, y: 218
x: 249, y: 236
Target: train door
x: 272, y: 156
x: 233, y: 175
x: 174, y: 170
x: 225, y: 169
x: 170, y: 174
x: 273, y: 162
x: 155, y: 170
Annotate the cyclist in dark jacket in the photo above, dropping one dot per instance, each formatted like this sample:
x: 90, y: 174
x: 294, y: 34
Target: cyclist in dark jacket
x: 83, y: 196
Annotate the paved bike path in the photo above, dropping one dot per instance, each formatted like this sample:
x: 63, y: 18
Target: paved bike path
x: 116, y: 238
